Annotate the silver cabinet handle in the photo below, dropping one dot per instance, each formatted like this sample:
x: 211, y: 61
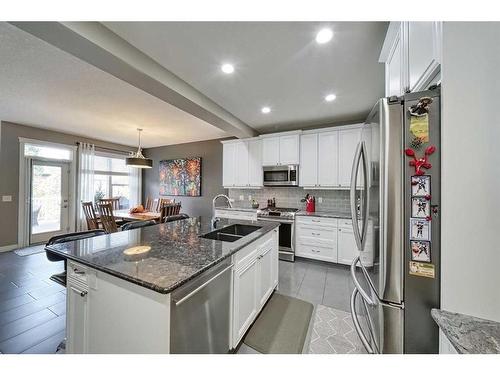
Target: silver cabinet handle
x: 357, y: 326
x: 78, y: 272
x: 316, y: 221
x: 189, y: 295
x: 357, y: 284
x: 82, y: 293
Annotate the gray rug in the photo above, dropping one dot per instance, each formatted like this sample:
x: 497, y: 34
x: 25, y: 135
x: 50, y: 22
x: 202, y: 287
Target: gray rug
x: 282, y: 326
x: 333, y: 333
x: 25, y: 251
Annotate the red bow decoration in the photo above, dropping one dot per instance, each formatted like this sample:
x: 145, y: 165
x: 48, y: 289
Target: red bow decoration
x: 420, y: 163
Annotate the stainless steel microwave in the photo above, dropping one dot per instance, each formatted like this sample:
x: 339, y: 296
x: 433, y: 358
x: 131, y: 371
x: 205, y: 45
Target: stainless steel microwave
x: 282, y: 175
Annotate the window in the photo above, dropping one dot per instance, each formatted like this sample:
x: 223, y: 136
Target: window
x: 112, y: 179
x: 46, y: 151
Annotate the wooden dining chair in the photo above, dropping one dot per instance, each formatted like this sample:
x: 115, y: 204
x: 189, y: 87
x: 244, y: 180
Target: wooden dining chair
x: 90, y: 215
x: 162, y: 202
x: 148, y: 206
x: 107, y: 218
x: 169, y: 210
x: 115, y: 202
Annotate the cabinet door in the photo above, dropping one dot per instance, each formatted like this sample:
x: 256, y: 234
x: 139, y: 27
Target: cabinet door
x: 241, y: 166
x: 423, y: 53
x: 289, y: 149
x: 308, y: 160
x: 328, y: 161
x: 77, y: 320
x: 266, y: 273
x: 347, y: 250
x: 348, y: 141
x: 393, y: 70
x: 255, y: 163
x: 245, y: 299
x: 270, y: 151
x: 228, y: 164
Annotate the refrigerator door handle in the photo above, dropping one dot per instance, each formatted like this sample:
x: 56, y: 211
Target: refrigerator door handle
x: 357, y: 326
x: 354, y: 214
x: 357, y: 284
x: 364, y: 203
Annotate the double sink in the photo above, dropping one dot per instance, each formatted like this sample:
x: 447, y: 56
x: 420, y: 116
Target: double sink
x: 231, y: 233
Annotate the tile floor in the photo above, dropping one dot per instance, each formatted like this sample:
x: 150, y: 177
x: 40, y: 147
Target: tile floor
x: 32, y: 307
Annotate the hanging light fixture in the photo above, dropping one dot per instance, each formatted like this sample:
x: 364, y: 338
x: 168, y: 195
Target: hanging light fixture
x: 137, y: 159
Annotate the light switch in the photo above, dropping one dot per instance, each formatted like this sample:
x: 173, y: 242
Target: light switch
x: 6, y: 198
x: 320, y: 200
x: 249, y: 197
x: 242, y: 197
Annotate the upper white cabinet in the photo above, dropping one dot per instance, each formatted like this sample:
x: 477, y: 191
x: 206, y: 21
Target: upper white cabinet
x: 280, y: 149
x: 412, y: 56
x: 348, y: 142
x: 326, y: 157
x: 242, y: 163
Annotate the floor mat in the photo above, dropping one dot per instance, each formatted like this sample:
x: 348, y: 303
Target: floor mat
x: 333, y: 333
x: 25, y: 251
x: 282, y: 326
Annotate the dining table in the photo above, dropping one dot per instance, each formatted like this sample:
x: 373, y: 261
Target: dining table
x: 142, y: 216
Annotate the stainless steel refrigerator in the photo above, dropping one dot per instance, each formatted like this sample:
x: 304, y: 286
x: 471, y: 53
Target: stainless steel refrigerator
x: 391, y: 302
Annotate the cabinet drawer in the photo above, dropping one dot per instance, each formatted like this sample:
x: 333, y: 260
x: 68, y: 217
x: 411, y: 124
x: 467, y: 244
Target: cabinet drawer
x: 316, y: 220
x: 78, y: 272
x: 316, y: 232
x: 345, y: 223
x: 328, y: 243
x: 317, y: 252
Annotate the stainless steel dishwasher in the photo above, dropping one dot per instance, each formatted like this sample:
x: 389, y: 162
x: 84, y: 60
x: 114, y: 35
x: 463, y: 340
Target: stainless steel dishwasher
x: 200, y: 313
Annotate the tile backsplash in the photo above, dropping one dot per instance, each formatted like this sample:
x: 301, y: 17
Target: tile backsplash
x: 335, y: 200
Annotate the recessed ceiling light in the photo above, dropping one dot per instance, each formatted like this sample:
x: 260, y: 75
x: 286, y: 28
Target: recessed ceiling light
x: 227, y: 68
x: 265, y: 110
x: 330, y: 97
x: 324, y: 36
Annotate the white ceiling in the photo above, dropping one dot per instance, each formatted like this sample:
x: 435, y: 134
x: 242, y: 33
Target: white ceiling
x: 43, y: 86
x: 278, y: 64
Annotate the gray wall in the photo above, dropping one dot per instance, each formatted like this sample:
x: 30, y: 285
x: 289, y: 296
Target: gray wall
x: 470, y: 157
x: 211, y: 173
x: 9, y: 168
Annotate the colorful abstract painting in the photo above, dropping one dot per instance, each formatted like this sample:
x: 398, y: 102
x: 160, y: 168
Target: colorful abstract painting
x: 181, y: 177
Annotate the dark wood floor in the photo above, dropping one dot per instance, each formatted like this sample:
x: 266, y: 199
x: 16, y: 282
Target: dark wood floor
x: 32, y: 307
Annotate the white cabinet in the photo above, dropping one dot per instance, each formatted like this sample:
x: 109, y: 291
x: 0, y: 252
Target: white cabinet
x: 308, y: 171
x: 229, y: 164
x: 255, y: 278
x: 77, y: 327
x: 348, y: 142
x: 242, y: 164
x: 346, y: 245
x: 255, y: 178
x: 289, y: 149
x: 424, y: 49
x: 280, y: 149
x: 245, y: 298
x: 326, y: 157
x: 316, y: 238
x: 412, y: 56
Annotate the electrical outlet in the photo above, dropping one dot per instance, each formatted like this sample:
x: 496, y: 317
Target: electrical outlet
x: 242, y: 197
x: 320, y: 200
x: 249, y: 197
x: 6, y: 198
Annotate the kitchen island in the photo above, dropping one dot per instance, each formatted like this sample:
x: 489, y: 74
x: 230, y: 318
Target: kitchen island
x: 167, y: 288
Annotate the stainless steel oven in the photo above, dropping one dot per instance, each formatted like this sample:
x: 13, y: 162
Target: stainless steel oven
x: 286, y: 218
x: 282, y: 175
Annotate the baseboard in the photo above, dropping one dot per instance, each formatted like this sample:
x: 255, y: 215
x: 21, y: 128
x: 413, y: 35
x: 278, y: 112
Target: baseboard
x: 8, y: 248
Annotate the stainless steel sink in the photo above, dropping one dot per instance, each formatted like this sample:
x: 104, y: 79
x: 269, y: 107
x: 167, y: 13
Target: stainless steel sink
x: 231, y: 233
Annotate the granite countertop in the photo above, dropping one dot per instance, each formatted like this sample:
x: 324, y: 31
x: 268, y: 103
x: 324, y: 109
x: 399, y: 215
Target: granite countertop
x: 324, y: 213
x: 468, y: 334
x: 177, y: 253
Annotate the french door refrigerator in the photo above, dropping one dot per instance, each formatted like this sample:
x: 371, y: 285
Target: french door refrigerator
x: 392, y: 300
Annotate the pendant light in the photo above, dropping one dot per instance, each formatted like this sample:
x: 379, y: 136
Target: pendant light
x: 137, y: 159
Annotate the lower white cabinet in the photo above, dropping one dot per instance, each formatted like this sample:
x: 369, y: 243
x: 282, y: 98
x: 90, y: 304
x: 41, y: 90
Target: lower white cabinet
x: 255, y: 278
x: 77, y: 307
x: 330, y: 240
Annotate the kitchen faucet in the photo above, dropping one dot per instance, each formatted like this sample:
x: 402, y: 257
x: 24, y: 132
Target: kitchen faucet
x: 214, y: 218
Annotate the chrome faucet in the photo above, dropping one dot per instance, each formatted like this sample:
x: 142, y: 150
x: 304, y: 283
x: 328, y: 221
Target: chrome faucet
x: 214, y: 218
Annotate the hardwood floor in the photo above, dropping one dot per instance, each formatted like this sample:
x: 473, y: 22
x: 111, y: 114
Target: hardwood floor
x: 32, y: 307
